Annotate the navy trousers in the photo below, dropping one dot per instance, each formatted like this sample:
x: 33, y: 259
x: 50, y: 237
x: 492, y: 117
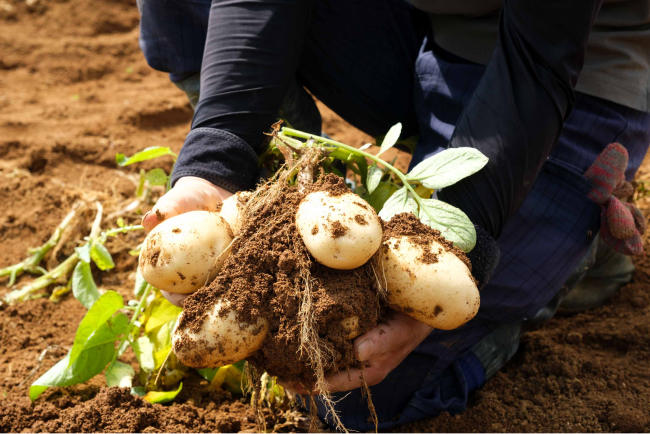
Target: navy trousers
x: 371, y: 62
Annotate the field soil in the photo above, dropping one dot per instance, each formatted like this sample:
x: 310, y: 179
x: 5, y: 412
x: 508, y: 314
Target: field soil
x: 74, y: 91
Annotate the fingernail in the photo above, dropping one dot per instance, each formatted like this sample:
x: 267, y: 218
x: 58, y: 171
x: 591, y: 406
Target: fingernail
x: 365, y: 349
x: 145, y: 216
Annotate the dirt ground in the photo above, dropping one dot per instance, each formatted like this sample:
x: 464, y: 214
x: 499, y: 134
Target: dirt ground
x: 74, y: 90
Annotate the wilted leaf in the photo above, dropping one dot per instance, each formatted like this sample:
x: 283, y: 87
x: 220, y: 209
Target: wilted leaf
x: 119, y: 374
x: 101, y: 257
x: 162, y: 397
x: 156, y: 177
x: 452, y: 223
x: 160, y: 312
x: 447, y: 167
x: 374, y: 177
x: 143, y: 349
x: 144, y: 155
x: 401, y: 201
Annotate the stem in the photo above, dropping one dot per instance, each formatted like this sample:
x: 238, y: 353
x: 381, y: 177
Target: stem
x: 31, y: 264
x: 63, y: 269
x: 400, y: 175
x: 134, y: 318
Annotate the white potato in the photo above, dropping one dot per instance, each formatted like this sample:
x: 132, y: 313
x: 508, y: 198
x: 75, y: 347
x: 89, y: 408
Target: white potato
x: 351, y: 327
x: 231, y: 210
x: 442, y: 295
x: 180, y: 254
x: 221, y: 340
x: 341, y: 232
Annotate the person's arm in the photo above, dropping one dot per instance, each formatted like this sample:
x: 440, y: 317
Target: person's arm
x: 516, y: 114
x: 251, y: 55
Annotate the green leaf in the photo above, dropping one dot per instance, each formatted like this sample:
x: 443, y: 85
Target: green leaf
x: 160, y: 312
x: 83, y: 285
x: 452, y: 223
x: 87, y: 364
x: 447, y: 167
x: 143, y: 349
x: 101, y: 257
x: 96, y: 317
x: 162, y: 397
x: 140, y: 283
x: 391, y: 138
x: 119, y: 374
x: 156, y: 177
x: 83, y: 252
x: 144, y: 155
x: 400, y: 201
x: 381, y: 194
x: 120, y: 222
x: 374, y: 177
x: 139, y: 391
x: 208, y: 373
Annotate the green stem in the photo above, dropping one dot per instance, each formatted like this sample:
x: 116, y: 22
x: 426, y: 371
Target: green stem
x: 400, y: 175
x: 63, y: 269
x: 134, y: 318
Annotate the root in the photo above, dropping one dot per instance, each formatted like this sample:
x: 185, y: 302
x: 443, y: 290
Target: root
x: 313, y: 414
x: 254, y: 387
x: 380, y: 277
x: 365, y: 392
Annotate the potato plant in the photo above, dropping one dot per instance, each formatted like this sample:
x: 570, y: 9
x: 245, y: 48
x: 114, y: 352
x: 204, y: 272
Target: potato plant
x: 186, y: 253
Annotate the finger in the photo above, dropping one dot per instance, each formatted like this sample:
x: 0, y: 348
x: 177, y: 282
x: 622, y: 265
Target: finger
x: 175, y: 299
x: 344, y: 381
x: 169, y: 205
x: 385, y: 337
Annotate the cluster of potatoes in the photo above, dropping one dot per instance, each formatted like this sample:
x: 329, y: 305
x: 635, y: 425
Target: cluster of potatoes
x: 343, y: 232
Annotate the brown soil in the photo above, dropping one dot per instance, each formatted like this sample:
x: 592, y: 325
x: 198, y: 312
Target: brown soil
x: 75, y: 90
x: 265, y: 276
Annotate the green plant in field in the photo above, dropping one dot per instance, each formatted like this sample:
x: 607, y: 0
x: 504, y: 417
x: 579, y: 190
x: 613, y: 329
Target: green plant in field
x: 389, y: 190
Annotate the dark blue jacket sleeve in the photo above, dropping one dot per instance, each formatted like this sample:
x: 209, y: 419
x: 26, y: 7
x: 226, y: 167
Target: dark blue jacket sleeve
x: 251, y: 55
x: 516, y: 114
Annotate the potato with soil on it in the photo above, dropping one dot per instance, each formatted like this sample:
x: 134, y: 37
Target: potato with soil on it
x: 231, y: 210
x: 180, y: 254
x: 426, y: 276
x: 218, y: 338
x: 340, y: 231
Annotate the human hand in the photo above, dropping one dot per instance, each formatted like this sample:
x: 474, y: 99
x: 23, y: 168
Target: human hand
x: 189, y: 194
x: 381, y: 349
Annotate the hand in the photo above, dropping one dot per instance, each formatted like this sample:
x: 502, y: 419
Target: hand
x: 189, y: 194
x: 381, y: 349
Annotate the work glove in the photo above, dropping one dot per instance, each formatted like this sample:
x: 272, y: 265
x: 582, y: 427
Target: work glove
x: 622, y: 224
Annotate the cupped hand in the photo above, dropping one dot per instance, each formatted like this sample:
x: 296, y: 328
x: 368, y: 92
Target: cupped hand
x: 189, y: 194
x: 381, y: 350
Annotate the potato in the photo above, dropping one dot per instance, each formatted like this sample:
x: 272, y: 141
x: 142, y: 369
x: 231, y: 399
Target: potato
x: 442, y: 295
x: 231, y: 210
x: 179, y: 255
x: 341, y: 232
x: 351, y: 327
x: 222, y: 339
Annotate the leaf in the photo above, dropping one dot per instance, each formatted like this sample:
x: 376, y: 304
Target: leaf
x: 208, y: 373
x: 143, y: 349
x: 160, y: 356
x: 83, y: 252
x: 391, y: 138
x: 381, y: 194
x: 119, y: 374
x: 452, y: 223
x: 101, y: 257
x: 374, y: 177
x: 366, y: 146
x: 162, y: 397
x: 160, y: 312
x: 156, y: 177
x: 400, y: 201
x: 120, y: 222
x: 100, y: 312
x: 447, y: 167
x: 139, y: 391
x: 87, y: 364
x: 83, y: 285
x: 144, y: 155
x: 140, y: 283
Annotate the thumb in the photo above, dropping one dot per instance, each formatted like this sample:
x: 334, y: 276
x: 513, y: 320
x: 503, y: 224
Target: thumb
x: 167, y: 206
